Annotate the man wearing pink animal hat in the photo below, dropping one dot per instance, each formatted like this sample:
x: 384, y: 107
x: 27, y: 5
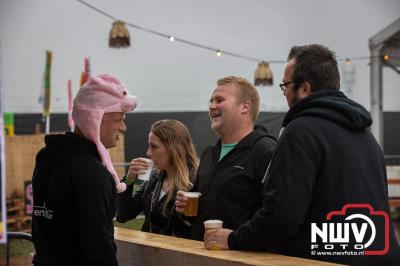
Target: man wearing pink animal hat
x: 75, y: 183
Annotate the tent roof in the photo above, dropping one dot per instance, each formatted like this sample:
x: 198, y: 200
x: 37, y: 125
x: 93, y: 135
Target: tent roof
x: 389, y: 35
x: 389, y: 38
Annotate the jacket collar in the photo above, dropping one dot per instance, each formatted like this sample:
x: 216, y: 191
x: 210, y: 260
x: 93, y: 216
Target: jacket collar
x: 248, y: 141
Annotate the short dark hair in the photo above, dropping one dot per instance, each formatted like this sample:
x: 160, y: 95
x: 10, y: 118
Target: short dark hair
x: 315, y: 64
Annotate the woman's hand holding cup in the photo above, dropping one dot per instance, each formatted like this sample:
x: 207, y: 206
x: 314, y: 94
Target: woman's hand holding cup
x: 136, y: 167
x: 180, y: 201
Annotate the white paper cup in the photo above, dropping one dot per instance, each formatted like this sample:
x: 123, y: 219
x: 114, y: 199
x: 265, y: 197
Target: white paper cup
x: 146, y: 175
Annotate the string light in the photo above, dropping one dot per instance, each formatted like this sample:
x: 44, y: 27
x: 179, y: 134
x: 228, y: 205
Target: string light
x: 386, y: 57
x: 205, y: 47
x: 119, y: 35
x: 386, y: 62
x: 173, y: 39
x: 263, y: 75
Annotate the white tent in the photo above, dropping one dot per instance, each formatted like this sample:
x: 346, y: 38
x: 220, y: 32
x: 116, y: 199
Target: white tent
x: 385, y: 51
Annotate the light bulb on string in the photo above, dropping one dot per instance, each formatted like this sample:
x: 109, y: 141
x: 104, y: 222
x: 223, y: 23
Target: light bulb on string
x: 119, y: 37
x: 386, y: 57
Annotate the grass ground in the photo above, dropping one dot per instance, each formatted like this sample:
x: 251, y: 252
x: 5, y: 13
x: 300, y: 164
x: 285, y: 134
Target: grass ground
x: 135, y: 224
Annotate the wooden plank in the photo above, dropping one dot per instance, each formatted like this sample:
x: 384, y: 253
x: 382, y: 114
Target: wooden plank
x: 20, y: 160
x: 140, y: 248
x: 11, y: 220
x: 16, y: 208
x: 21, y: 153
x: 394, y: 202
x: 395, y: 181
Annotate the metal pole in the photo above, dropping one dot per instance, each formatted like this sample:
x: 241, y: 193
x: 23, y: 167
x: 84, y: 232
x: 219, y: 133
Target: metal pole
x: 376, y: 95
x: 47, y: 124
x: 8, y: 251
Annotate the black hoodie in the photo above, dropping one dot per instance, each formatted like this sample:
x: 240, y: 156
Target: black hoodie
x: 325, y: 158
x: 231, y: 188
x: 74, y: 204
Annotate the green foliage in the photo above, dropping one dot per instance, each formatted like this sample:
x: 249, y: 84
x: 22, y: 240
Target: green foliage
x: 135, y: 224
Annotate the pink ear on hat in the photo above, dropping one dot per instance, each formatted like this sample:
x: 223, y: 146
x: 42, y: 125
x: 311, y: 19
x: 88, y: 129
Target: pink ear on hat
x: 99, y: 95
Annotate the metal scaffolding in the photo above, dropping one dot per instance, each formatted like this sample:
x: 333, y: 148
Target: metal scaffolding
x: 385, y: 51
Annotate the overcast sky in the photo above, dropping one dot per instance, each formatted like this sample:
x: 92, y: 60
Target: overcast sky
x: 174, y: 76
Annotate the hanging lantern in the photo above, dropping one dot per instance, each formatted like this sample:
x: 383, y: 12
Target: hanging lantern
x: 119, y: 35
x: 263, y: 75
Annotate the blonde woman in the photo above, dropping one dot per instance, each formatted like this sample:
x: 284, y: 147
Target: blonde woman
x: 175, y: 160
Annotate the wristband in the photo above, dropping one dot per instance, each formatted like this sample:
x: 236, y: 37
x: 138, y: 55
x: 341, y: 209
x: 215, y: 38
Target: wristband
x: 127, y: 180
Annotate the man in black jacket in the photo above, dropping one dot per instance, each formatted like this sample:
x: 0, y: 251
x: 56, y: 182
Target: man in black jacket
x: 74, y: 183
x: 325, y: 194
x: 230, y: 172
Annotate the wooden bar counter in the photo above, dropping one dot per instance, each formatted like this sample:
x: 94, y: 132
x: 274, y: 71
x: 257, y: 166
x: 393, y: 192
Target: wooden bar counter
x: 140, y: 248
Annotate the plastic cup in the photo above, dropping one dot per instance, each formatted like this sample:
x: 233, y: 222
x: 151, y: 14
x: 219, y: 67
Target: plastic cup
x: 146, y: 175
x: 192, y: 203
x: 213, y: 224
